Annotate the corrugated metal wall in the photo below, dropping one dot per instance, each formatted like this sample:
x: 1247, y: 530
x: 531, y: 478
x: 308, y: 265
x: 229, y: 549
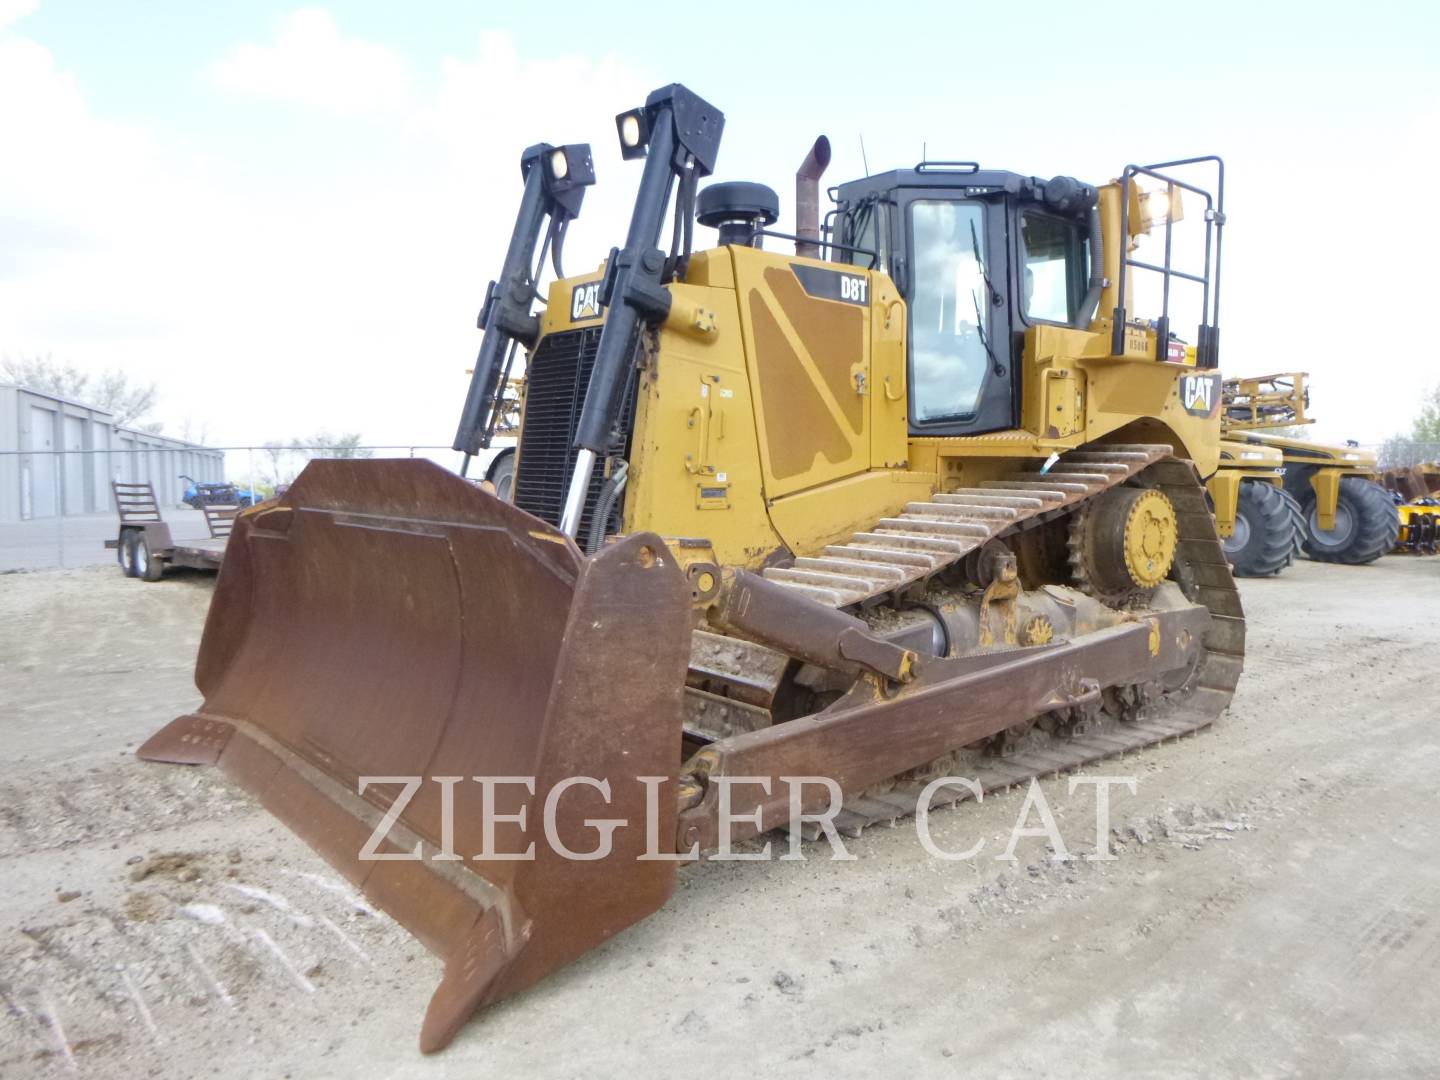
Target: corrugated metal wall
x: 36, y: 481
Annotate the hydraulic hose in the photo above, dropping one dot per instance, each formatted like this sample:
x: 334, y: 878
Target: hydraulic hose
x: 610, y: 491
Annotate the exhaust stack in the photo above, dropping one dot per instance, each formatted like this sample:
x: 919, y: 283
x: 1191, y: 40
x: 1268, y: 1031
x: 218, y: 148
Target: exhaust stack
x: 807, y: 198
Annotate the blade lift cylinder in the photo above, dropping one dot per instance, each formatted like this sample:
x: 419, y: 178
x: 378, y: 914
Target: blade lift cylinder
x: 684, y: 136
x: 552, y: 195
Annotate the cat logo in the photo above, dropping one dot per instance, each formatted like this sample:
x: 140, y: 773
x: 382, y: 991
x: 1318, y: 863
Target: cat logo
x: 1200, y: 394
x: 585, y: 302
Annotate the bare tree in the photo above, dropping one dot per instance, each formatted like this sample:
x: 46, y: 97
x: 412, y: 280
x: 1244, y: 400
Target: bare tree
x: 111, y: 391
x: 274, y: 468
x: 325, y: 445
x: 1401, y: 451
x: 282, y: 462
x: 193, y: 431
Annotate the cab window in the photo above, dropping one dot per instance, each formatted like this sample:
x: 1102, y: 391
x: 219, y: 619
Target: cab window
x: 949, y: 310
x: 1054, y: 271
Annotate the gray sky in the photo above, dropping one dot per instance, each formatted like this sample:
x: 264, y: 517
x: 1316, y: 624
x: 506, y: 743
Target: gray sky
x: 287, y: 215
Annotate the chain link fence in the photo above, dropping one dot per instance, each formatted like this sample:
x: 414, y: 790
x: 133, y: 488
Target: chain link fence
x: 1401, y: 453
x: 57, y: 508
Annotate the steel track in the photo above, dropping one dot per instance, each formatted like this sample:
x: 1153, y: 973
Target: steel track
x: 943, y: 532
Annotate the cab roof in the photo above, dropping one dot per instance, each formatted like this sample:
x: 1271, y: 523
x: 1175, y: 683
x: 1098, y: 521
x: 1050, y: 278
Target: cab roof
x: 966, y: 177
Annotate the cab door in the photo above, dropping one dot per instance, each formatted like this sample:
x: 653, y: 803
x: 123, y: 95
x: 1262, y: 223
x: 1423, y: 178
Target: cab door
x: 954, y: 280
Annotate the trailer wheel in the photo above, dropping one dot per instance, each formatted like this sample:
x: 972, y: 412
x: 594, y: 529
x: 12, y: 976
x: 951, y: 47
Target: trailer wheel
x: 146, y: 565
x: 125, y: 552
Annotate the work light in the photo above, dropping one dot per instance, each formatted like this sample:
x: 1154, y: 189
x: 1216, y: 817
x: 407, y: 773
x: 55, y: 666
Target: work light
x: 634, y: 131
x: 567, y: 167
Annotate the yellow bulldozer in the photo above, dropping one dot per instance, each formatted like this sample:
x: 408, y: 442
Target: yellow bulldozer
x: 793, y: 536
x: 1343, y: 512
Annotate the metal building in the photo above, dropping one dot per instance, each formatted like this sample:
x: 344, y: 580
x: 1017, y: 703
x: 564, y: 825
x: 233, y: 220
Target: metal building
x: 58, y: 457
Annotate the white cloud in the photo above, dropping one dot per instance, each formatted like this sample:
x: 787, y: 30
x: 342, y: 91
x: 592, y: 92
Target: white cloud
x: 313, y: 64
x: 329, y: 277
x: 55, y: 147
x: 275, y: 291
x: 15, y: 10
x: 567, y: 99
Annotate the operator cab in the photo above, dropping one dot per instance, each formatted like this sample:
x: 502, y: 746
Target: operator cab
x: 979, y: 256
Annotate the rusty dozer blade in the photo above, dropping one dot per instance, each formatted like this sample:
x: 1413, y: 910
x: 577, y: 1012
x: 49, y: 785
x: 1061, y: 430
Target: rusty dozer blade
x: 388, y: 619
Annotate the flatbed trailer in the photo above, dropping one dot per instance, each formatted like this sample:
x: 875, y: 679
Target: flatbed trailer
x: 143, y: 545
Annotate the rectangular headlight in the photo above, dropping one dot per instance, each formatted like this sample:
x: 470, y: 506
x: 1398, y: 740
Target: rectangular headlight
x: 633, y: 128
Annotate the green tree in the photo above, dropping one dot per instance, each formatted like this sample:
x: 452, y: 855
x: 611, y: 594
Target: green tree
x: 1427, y: 425
x: 1422, y: 444
x: 112, y: 391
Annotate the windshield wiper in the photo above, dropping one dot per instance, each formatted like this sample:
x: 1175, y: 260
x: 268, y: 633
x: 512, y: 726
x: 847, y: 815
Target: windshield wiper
x: 980, y: 264
x: 996, y: 366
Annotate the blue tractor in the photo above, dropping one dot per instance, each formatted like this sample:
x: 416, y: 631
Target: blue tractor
x: 224, y: 493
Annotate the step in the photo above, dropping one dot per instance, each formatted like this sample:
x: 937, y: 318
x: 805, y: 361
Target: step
x: 1089, y: 468
x: 899, y: 534
x: 961, y: 510
x: 1156, y: 450
x: 1107, y: 455
x: 916, y: 542
x: 843, y: 583
x: 1035, y: 480
x: 966, y: 546
x: 1036, y: 489
x: 1093, y: 479
x: 747, y: 672
x: 893, y: 556
x: 827, y: 597
x: 989, y: 498
x: 857, y: 568
x: 925, y: 525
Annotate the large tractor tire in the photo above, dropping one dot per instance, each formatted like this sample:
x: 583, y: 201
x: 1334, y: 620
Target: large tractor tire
x: 1263, y: 542
x: 502, y: 475
x: 1366, y: 525
x: 1297, y: 515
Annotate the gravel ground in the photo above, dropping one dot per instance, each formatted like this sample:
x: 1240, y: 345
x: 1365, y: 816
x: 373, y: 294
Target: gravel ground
x: 1274, y: 909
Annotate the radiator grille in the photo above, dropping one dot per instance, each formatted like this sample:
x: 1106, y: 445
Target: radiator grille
x: 556, y: 377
